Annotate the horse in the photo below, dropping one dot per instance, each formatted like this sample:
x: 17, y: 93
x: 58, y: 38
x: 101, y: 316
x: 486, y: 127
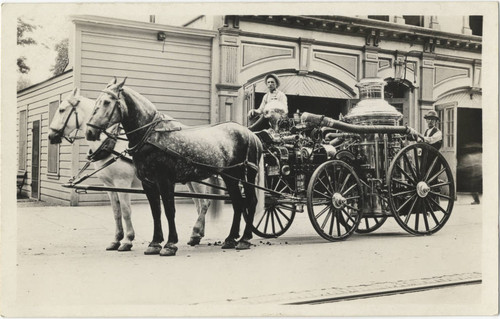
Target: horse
x: 166, y: 152
x: 70, y: 118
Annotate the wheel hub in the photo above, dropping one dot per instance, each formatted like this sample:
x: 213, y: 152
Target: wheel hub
x: 423, y: 189
x: 338, y: 200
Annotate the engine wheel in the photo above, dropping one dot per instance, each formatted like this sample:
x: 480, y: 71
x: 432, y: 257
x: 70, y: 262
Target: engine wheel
x: 370, y: 224
x: 278, y: 214
x: 334, y: 200
x: 421, y: 189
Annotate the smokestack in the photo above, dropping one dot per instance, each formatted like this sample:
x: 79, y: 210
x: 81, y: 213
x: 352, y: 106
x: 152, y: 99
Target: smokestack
x: 152, y: 18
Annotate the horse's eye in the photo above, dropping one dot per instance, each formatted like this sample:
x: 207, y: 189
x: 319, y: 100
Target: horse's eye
x: 106, y: 103
x: 61, y: 110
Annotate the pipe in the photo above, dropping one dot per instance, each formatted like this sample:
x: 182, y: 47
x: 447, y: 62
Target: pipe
x: 355, y: 128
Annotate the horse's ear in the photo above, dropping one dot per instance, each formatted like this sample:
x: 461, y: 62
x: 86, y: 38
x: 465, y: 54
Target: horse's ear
x: 120, y: 86
x: 112, y: 82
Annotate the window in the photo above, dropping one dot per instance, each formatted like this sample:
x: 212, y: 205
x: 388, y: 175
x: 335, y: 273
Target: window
x: 381, y: 18
x: 476, y: 25
x: 53, y: 149
x: 23, y: 136
x: 449, y: 128
x: 414, y: 20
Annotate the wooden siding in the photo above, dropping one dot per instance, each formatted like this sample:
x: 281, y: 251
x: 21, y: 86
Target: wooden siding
x: 175, y: 75
x: 35, y: 100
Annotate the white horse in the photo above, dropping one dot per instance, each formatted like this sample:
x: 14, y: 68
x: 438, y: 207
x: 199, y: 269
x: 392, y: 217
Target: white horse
x: 71, y: 117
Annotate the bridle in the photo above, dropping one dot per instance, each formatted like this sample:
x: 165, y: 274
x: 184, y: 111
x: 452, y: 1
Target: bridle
x: 71, y: 139
x: 117, y: 104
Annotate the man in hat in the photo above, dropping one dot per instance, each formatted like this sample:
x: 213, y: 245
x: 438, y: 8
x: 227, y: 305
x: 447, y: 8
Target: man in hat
x: 432, y: 134
x: 274, y: 104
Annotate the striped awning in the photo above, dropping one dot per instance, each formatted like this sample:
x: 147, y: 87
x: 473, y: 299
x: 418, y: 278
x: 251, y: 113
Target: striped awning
x: 463, y: 99
x: 307, y: 86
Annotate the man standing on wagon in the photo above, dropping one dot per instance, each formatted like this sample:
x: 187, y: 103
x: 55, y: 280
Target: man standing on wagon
x: 274, y: 105
x: 432, y: 134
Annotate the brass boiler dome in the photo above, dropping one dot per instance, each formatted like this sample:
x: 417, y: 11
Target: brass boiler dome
x: 372, y: 109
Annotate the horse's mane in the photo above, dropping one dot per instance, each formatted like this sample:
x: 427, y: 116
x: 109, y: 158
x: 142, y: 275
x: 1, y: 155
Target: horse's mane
x: 140, y: 101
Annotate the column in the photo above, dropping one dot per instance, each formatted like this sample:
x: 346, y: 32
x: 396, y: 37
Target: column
x: 426, y: 86
x: 370, y: 62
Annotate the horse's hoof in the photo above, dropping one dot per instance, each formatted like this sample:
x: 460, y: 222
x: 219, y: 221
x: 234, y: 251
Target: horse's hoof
x: 153, y: 249
x: 125, y: 247
x: 113, y: 246
x: 229, y: 244
x: 194, y: 241
x: 243, y: 244
x: 168, y: 250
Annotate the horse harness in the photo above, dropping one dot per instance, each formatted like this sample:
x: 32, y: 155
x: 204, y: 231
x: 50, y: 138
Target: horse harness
x: 61, y: 130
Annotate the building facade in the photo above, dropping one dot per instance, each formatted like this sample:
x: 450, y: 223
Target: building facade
x: 212, y: 70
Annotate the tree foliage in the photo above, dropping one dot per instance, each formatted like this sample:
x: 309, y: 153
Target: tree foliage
x: 62, y: 59
x: 22, y: 39
x: 22, y: 29
x: 23, y: 83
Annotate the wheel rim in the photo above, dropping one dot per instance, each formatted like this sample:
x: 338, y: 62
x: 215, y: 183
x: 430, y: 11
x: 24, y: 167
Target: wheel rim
x: 370, y: 224
x: 421, y: 189
x: 334, y: 200
x: 278, y: 214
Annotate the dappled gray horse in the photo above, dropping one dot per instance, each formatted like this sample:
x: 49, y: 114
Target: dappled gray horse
x: 166, y: 152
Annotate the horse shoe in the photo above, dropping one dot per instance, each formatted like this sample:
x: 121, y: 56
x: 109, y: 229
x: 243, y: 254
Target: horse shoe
x: 153, y: 249
x: 113, y: 246
x: 168, y: 250
x: 243, y: 244
x: 125, y: 247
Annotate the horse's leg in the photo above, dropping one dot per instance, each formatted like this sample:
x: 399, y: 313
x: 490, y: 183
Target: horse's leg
x: 115, y: 205
x: 251, y: 204
x: 202, y: 208
x: 237, y: 202
x: 126, y: 214
x: 153, y: 196
x: 167, y: 189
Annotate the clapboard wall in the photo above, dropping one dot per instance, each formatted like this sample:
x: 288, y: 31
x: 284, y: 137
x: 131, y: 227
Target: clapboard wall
x: 175, y: 74
x: 35, y: 102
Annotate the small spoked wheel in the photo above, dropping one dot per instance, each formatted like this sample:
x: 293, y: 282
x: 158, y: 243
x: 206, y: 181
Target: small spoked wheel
x: 334, y: 200
x: 370, y: 224
x: 278, y: 213
x: 421, y: 189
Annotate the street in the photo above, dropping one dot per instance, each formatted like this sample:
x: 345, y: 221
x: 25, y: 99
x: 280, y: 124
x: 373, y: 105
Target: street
x: 63, y: 268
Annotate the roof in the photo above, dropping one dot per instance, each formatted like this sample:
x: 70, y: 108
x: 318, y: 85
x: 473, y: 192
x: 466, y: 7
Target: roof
x: 463, y: 99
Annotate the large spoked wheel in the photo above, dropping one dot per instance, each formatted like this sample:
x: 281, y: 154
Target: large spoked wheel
x: 421, y: 189
x: 278, y: 213
x: 334, y: 200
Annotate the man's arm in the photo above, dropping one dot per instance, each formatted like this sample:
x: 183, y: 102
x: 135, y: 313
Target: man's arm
x: 438, y: 136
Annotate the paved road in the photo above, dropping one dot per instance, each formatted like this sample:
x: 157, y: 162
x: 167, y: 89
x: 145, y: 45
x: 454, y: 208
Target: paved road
x: 63, y: 269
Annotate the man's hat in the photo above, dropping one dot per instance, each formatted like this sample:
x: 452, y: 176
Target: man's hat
x: 431, y: 115
x: 272, y: 75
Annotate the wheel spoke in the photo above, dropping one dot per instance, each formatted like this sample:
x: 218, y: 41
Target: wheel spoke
x: 338, y: 226
x: 440, y: 184
x: 268, y: 216
x: 436, y: 175
x: 322, y: 212
x: 331, y: 225
x: 407, y: 219
x: 352, y: 197
x: 402, y: 183
x: 423, y: 164
x: 349, y: 189
x: 325, y: 186
x: 345, y: 182
x: 278, y: 218
x: 324, y: 202
x: 283, y: 214
x: 329, y: 178
x: 406, y: 174
x: 352, y: 207
x: 429, y: 170
x: 432, y: 212
x: 290, y: 208
x: 344, y: 223
x: 411, y: 168
x: 417, y: 214
x: 403, y: 193
x: 330, y: 213
x: 437, y: 205
x: 405, y: 203
x: 417, y: 166
x: 272, y: 221
x: 440, y: 195
x: 424, y: 213
x: 262, y: 218
x: 367, y: 223
x: 323, y: 195
x: 348, y: 216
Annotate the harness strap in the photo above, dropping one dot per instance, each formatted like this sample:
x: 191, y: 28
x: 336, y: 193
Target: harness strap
x: 77, y: 180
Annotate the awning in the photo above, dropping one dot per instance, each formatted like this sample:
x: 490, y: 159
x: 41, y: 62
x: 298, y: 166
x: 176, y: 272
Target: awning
x: 307, y: 86
x: 463, y: 99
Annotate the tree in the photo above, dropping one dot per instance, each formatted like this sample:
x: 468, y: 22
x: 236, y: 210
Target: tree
x: 62, y: 59
x: 23, y: 83
x: 23, y: 39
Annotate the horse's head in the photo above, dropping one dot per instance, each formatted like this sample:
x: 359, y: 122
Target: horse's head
x: 108, y: 110
x: 68, y: 118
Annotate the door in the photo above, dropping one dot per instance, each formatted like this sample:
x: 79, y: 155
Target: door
x: 448, y: 115
x: 35, y: 161
x: 469, y: 149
